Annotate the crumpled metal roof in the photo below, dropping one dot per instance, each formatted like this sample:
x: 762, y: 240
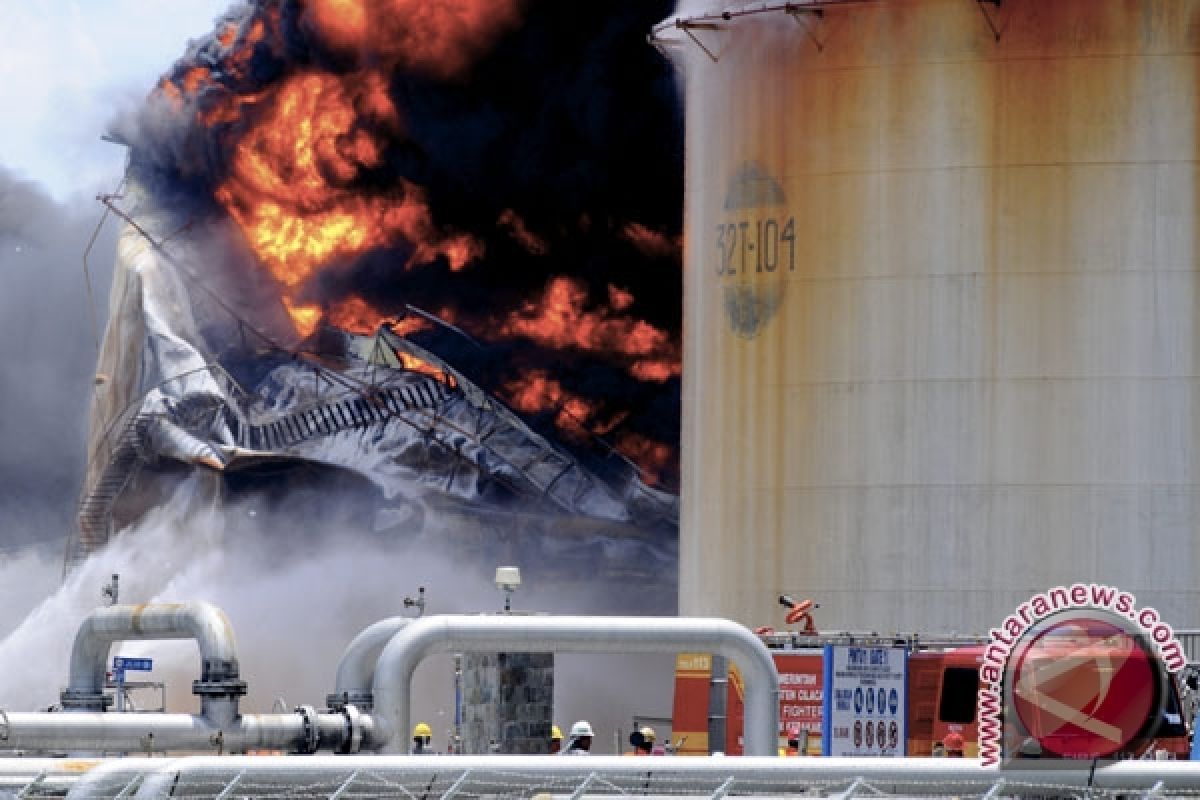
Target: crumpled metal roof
x: 196, y: 369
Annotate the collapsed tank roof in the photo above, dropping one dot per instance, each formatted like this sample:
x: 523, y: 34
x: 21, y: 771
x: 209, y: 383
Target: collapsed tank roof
x: 200, y: 369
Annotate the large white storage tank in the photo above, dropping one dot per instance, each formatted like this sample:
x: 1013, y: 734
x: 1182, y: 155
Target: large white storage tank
x: 941, y: 307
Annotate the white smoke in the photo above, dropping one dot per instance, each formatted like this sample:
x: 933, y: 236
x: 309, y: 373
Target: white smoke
x: 294, y: 606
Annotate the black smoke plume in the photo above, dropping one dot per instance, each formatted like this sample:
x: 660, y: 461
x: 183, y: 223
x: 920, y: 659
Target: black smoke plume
x: 558, y: 146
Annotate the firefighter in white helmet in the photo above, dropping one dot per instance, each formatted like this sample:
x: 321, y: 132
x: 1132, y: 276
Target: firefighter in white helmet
x: 579, y: 740
x: 422, y: 739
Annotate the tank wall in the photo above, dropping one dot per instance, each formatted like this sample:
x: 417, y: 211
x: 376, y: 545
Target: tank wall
x: 940, y: 311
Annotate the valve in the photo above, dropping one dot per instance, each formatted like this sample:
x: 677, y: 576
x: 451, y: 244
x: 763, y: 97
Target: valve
x: 418, y: 601
x: 800, y: 612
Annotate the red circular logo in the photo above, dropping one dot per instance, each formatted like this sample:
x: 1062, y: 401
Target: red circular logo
x: 1084, y: 687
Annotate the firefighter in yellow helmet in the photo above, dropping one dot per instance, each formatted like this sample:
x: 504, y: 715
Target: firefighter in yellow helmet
x: 422, y: 739
x: 555, y: 739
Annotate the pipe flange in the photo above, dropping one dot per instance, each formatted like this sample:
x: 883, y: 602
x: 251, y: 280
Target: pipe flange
x: 79, y: 700
x: 225, y: 688
x: 312, y: 735
x: 353, y: 741
x: 338, y: 701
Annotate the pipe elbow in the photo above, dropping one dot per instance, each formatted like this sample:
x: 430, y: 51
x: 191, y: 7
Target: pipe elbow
x: 202, y: 622
x: 356, y: 670
x: 210, y: 628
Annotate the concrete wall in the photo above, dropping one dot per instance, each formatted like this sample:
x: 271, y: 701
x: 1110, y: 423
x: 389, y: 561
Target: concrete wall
x: 951, y: 357
x: 508, y: 700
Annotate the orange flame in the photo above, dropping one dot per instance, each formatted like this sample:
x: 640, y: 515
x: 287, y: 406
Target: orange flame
x: 441, y: 39
x: 619, y: 299
x: 194, y: 78
x: 536, y: 392
x: 291, y: 187
x: 305, y: 156
x: 560, y: 321
x: 228, y: 35
x: 342, y: 22
x: 240, y: 42
x: 414, y: 364
x: 650, y: 242
x: 655, y: 371
x: 170, y: 92
x: 532, y: 243
x: 652, y: 457
x: 355, y: 315
x: 407, y: 326
x: 305, y: 317
x: 238, y: 60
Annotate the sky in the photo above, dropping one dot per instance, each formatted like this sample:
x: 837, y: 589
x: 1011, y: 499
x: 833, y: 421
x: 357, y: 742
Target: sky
x: 68, y: 65
x: 66, y: 68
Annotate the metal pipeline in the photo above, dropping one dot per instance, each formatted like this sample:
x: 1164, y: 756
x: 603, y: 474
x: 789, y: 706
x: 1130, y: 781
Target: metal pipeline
x: 305, y: 731
x: 356, y: 670
x: 218, y: 728
x: 219, y: 686
x: 615, y: 776
x: 570, y: 634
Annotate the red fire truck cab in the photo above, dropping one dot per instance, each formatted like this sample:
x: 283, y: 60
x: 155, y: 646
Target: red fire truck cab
x: 942, y: 696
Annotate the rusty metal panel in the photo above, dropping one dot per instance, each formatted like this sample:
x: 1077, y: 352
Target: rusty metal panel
x: 941, y: 307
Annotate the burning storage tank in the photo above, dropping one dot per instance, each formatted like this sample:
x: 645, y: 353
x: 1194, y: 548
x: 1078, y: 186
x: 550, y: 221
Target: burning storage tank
x: 203, y: 377
x: 356, y: 264
x: 942, y: 298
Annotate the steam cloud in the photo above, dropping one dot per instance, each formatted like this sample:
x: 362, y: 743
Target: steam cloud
x: 294, y: 606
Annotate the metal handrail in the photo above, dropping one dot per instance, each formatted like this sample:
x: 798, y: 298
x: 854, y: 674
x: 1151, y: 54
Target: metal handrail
x: 746, y: 10
x: 436, y: 777
x: 129, y: 413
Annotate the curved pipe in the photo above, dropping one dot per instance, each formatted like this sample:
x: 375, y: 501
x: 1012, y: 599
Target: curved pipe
x: 569, y: 634
x: 202, y: 622
x: 356, y: 670
x: 304, y: 731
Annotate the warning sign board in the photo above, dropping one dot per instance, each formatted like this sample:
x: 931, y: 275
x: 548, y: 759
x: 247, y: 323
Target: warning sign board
x: 801, y: 700
x: 865, y: 700
x: 801, y: 696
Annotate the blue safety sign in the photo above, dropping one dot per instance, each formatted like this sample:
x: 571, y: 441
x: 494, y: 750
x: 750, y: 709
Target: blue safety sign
x: 132, y: 664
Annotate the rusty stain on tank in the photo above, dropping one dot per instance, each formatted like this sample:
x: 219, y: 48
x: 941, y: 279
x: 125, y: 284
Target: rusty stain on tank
x: 980, y: 376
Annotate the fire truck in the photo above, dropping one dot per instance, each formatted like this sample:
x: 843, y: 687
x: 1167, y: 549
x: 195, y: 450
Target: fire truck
x: 939, y: 696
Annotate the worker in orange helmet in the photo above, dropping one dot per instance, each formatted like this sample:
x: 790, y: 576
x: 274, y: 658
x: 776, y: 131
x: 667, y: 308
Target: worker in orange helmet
x: 953, y: 744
